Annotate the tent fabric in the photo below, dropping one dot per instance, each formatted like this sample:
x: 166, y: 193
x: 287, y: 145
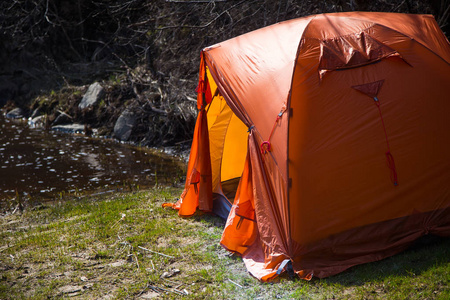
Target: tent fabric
x: 337, y: 126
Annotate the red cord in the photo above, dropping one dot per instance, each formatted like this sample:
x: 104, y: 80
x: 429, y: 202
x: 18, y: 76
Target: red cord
x: 389, y: 157
x: 391, y: 166
x: 266, y: 146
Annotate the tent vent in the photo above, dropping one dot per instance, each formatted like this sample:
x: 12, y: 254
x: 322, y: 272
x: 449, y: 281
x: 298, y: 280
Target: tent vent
x: 351, y: 51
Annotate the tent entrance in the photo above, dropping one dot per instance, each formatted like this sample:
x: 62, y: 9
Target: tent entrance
x: 229, y: 188
x: 228, y: 149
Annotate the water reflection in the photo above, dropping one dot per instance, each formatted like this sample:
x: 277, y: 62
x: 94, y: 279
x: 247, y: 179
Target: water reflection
x: 42, y: 164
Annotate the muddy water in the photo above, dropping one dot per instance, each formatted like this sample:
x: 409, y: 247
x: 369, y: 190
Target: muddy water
x: 44, y: 165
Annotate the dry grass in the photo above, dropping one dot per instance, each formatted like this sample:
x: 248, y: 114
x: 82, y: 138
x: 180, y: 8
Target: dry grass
x: 98, y: 248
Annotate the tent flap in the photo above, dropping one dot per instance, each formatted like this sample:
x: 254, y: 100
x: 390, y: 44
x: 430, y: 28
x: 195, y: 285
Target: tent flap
x: 197, y: 192
x: 240, y: 230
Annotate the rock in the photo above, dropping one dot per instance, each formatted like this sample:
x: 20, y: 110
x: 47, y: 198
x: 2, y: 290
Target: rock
x: 69, y: 128
x: 93, y: 94
x: 150, y: 295
x: 70, y: 289
x: 170, y: 273
x: 16, y: 113
x: 118, y: 263
x: 37, y: 122
x: 88, y: 286
x: 124, y: 125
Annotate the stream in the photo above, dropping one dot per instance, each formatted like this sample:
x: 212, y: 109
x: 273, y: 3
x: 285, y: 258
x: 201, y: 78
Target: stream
x: 41, y: 165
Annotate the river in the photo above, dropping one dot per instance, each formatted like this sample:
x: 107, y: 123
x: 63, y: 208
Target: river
x: 39, y: 165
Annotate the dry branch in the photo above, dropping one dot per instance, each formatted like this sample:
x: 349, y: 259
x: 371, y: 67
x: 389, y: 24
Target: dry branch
x: 162, y: 254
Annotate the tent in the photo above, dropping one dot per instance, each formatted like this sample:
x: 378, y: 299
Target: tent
x: 324, y: 141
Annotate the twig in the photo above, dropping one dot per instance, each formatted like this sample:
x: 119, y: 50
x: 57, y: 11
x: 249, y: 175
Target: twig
x: 153, y: 266
x: 183, y: 292
x: 173, y: 282
x: 174, y: 291
x: 398, y: 6
x: 15, y: 209
x: 137, y: 262
x: 157, y: 110
x: 46, y: 16
x: 123, y: 216
x: 66, y: 114
x: 442, y: 21
x: 204, y: 25
x: 155, y: 252
x: 191, y: 99
x: 235, y: 283
x: 159, y: 289
x: 183, y: 142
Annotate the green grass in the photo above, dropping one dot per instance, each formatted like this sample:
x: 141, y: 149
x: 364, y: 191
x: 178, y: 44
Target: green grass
x: 84, y: 249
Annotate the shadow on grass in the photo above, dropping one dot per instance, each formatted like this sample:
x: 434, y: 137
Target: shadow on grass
x: 423, y: 255
x: 426, y: 253
x: 209, y: 219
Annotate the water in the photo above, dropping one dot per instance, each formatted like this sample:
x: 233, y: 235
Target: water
x: 42, y: 165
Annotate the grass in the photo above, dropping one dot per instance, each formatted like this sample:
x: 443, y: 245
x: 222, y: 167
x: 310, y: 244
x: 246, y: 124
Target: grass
x: 97, y: 248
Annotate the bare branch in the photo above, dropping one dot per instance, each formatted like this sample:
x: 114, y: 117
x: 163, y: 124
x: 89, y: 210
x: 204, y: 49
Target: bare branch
x: 204, y: 25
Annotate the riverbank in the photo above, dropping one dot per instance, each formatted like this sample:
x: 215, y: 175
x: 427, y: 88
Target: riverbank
x: 129, y: 107
x: 125, y: 245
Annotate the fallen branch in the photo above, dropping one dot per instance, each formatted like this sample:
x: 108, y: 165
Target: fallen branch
x: 153, y: 266
x: 191, y: 99
x: 160, y: 289
x: 137, y: 262
x: 114, y: 225
x: 155, y: 252
x: 183, y: 292
x: 66, y: 114
x: 235, y: 283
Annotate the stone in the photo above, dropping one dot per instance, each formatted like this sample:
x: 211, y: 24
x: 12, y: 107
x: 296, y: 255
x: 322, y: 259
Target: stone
x: 16, y: 113
x: 118, y: 263
x: 37, y: 122
x: 171, y: 273
x: 93, y: 94
x: 150, y: 295
x: 70, y: 289
x: 124, y: 125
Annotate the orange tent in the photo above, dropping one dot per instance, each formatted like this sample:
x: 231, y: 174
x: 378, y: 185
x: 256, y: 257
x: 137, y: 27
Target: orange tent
x: 324, y: 140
